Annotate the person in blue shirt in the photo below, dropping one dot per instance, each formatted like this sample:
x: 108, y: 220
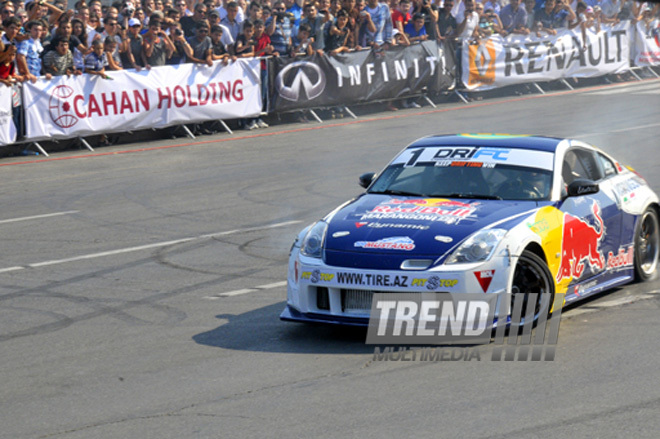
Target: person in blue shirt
x: 415, y: 29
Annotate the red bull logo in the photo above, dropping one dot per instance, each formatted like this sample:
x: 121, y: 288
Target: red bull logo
x: 580, y: 241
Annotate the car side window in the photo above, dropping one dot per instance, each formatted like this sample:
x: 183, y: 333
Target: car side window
x: 608, y: 167
x: 579, y: 163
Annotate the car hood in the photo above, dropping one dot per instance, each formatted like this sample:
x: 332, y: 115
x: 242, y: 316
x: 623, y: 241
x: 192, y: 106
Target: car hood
x: 382, y: 231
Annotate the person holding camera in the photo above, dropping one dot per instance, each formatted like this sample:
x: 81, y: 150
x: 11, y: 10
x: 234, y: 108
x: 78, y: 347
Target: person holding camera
x: 157, y: 48
x: 339, y: 34
x: 430, y: 14
x: 280, y: 27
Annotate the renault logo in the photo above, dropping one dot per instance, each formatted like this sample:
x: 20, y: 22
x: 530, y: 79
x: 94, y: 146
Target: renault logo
x: 300, y: 75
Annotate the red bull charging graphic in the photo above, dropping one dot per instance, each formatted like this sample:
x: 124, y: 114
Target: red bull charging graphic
x: 580, y: 243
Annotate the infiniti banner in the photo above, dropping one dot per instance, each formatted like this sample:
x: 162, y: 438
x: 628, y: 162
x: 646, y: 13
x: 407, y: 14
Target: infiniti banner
x: 356, y: 77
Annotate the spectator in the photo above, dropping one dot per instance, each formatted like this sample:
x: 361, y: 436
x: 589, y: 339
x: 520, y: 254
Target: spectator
x: 494, y: 5
x: 337, y: 41
x: 430, y: 13
x: 201, y: 45
x: 529, y: 8
x: 563, y: 14
x: 415, y: 30
x: 262, y: 48
x: 28, y: 58
x: 12, y: 27
x: 188, y: 22
x: 294, y: 7
x: 156, y: 47
x: 489, y: 24
x: 469, y: 22
x: 545, y: 19
x: 255, y: 12
x: 401, y: 17
x: 230, y: 21
x: 111, y: 53
x: 213, y: 17
x: 97, y: 60
x: 219, y: 50
x: 65, y: 31
x: 446, y: 22
x: 378, y: 20
x: 514, y: 18
x: 302, y: 46
x: 280, y: 28
x: 316, y: 23
x: 7, y: 10
x: 182, y: 7
x: 133, y: 57
x: 222, y: 9
x: 9, y: 78
x: 59, y: 61
x: 610, y: 10
x: 245, y: 43
x: 8, y: 74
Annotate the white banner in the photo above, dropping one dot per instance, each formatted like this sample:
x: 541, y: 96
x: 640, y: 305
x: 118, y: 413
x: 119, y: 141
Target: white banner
x: 498, y: 61
x: 647, y: 44
x: 163, y: 96
x: 7, y: 127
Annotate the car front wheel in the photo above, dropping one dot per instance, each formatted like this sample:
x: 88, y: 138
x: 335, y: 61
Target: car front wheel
x: 532, y: 280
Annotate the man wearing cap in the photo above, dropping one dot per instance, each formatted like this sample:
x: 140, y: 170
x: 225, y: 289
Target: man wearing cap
x: 133, y: 56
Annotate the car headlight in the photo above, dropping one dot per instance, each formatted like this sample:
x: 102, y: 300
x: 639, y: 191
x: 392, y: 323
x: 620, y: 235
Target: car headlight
x: 312, y: 243
x: 477, y: 248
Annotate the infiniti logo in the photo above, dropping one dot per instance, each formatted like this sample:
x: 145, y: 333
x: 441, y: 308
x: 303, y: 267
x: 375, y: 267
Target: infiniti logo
x: 299, y: 79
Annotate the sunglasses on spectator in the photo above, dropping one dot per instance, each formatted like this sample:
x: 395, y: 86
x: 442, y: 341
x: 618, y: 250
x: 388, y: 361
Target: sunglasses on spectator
x: 7, y: 11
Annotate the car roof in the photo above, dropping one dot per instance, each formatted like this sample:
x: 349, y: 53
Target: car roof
x: 539, y: 143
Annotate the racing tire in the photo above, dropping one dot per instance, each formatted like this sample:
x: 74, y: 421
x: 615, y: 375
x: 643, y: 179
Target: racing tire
x: 647, y: 245
x: 532, y: 276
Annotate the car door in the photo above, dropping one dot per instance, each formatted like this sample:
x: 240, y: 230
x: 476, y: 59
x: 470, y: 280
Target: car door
x: 591, y: 222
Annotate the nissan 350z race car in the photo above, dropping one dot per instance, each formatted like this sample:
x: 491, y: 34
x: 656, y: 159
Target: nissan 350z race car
x: 480, y: 213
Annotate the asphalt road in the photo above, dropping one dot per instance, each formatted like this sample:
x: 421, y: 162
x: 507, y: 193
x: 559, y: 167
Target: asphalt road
x: 115, y: 320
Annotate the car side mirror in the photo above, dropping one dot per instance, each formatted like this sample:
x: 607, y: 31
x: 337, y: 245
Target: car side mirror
x: 582, y: 186
x: 366, y: 179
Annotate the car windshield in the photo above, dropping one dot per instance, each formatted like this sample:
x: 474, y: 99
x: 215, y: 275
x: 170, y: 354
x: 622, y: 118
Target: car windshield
x: 412, y: 175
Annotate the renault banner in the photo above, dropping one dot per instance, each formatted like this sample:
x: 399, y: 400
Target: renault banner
x: 497, y: 61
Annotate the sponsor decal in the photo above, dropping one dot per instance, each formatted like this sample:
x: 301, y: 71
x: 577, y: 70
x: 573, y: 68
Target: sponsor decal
x: 379, y: 225
x: 581, y: 288
x: 626, y: 189
x: 539, y: 226
x: 624, y: 258
x: 445, y: 239
x: 430, y: 209
x: 300, y: 78
x: 434, y: 282
x: 373, y: 280
x: 484, y: 277
x: 580, y: 242
x: 316, y: 276
x: 482, y: 63
x: 340, y: 234
x: 393, y: 243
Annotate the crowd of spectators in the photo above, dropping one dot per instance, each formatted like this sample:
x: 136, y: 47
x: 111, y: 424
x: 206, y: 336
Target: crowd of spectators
x: 45, y: 38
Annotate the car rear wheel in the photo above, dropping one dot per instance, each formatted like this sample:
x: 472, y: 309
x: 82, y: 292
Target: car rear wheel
x: 647, y: 245
x: 532, y: 280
